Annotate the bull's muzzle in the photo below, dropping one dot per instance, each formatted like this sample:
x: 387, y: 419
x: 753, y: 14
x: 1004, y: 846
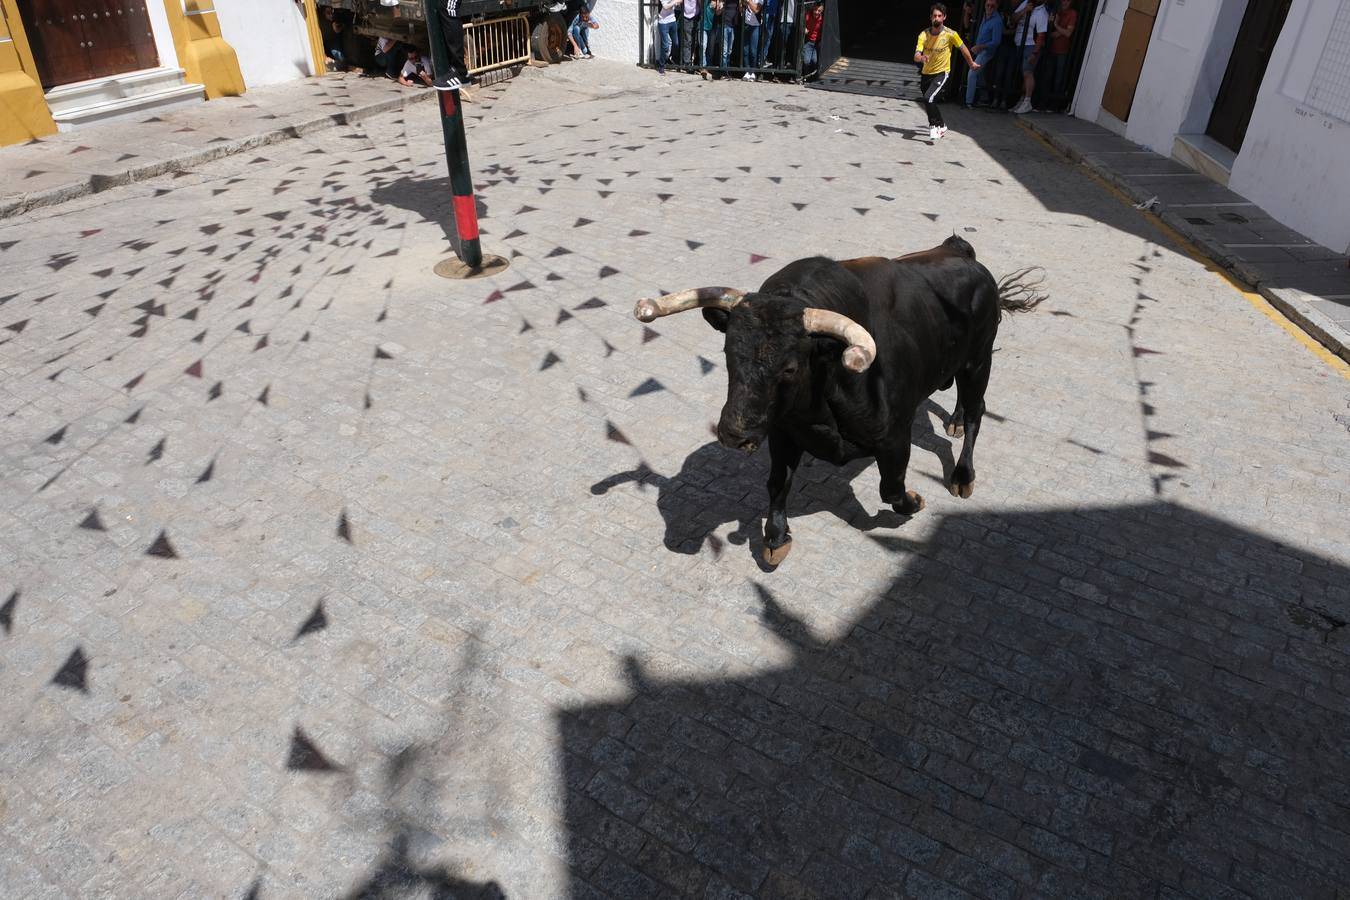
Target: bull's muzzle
x: 735, y: 436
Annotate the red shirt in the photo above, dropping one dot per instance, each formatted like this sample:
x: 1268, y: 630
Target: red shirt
x: 1065, y: 18
x: 814, y: 17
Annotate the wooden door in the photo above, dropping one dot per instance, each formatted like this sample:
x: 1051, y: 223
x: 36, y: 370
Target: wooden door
x: 1256, y: 38
x: 1129, y: 61
x: 75, y: 40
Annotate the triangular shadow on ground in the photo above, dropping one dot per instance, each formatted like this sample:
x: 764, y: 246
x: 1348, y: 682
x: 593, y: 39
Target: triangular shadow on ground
x: 1094, y: 702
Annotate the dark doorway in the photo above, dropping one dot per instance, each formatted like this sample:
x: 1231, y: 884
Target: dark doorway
x: 885, y: 29
x: 1256, y: 38
x: 76, y: 40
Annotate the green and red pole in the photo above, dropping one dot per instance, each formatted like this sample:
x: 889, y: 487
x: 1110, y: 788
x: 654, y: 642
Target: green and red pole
x: 456, y: 147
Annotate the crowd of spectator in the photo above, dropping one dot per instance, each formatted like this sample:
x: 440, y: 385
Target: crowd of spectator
x: 753, y: 37
x: 1018, y: 44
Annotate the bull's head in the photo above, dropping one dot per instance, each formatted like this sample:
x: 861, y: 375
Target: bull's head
x: 770, y: 343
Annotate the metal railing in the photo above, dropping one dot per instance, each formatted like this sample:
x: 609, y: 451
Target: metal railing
x: 784, y: 51
x: 496, y: 43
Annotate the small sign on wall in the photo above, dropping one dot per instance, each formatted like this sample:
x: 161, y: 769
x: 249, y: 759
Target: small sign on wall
x: 1329, y: 91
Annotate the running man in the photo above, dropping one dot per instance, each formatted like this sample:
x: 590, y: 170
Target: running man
x: 934, y: 50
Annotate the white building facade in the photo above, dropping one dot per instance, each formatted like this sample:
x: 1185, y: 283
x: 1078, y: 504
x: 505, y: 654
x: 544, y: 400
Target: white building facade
x: 1253, y: 93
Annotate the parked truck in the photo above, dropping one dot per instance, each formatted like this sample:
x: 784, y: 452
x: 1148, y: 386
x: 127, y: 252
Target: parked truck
x: 498, y: 33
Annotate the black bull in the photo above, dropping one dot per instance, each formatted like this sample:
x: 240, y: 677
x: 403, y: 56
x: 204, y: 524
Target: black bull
x: 932, y: 317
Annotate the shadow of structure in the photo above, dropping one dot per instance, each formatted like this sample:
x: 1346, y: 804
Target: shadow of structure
x: 429, y: 198
x: 1110, y: 702
x: 716, y: 486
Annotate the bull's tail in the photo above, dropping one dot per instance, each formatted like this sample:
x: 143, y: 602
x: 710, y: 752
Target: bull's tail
x: 1020, y: 290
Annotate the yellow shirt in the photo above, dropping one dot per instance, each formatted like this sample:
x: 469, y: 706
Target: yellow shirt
x: 939, y: 49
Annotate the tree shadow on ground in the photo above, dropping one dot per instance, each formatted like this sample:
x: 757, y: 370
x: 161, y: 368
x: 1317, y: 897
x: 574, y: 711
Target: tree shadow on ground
x: 1099, y: 702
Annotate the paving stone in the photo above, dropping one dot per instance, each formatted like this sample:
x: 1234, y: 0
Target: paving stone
x: 548, y: 663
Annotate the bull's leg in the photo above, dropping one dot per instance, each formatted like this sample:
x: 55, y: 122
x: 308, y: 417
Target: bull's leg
x: 893, y: 461
x: 784, y: 457
x: 970, y: 386
x: 956, y: 422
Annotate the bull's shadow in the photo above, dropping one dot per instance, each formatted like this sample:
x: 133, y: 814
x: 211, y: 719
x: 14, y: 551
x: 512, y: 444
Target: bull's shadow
x: 1134, y: 701
x: 716, y: 486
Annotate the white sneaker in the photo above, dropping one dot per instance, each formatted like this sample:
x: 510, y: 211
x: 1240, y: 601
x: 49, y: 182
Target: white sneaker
x: 942, y: 131
x: 1023, y: 106
x: 933, y: 133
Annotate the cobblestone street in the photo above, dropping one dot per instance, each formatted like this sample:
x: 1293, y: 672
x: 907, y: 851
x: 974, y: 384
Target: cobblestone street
x: 323, y: 576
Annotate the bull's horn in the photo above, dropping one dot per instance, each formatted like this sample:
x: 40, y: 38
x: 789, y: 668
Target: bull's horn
x: 861, y: 348
x: 719, y: 297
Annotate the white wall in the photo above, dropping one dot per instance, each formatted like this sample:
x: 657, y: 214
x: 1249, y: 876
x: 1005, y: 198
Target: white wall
x: 617, y: 36
x: 1180, y: 43
x: 1295, y: 161
x: 268, y: 36
x: 159, y: 27
x: 1087, y: 100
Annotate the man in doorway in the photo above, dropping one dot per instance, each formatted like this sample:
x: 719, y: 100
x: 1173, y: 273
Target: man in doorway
x: 1062, y: 26
x: 934, y: 52
x: 987, y: 40
x: 1033, y: 21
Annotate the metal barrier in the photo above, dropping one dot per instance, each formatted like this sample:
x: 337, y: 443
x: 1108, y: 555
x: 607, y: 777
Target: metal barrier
x: 496, y: 43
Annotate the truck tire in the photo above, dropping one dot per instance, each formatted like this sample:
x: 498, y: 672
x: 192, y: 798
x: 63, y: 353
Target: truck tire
x: 546, y: 40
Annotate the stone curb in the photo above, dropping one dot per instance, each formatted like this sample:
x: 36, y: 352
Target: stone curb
x: 97, y: 183
x: 1289, y: 302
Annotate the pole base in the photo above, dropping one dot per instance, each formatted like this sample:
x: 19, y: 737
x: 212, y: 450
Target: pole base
x: 454, y: 268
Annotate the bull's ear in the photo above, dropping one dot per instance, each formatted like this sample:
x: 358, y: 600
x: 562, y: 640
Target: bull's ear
x: 717, y: 318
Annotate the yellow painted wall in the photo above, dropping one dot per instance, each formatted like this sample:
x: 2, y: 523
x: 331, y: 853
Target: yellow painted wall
x: 23, y: 108
x: 316, y: 53
x: 204, y: 55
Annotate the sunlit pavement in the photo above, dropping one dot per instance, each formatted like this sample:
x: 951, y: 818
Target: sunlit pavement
x: 324, y: 576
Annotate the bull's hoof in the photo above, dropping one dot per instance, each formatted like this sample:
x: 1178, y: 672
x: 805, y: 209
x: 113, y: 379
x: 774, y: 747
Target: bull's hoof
x: 961, y: 490
x: 773, y: 556
x: 955, y: 430
x: 912, y: 503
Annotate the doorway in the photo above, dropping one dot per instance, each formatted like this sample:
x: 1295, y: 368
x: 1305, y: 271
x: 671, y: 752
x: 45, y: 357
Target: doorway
x: 885, y: 30
x: 76, y: 40
x: 1256, y: 37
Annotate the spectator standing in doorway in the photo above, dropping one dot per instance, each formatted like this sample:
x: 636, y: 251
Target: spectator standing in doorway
x: 688, y: 19
x: 934, y: 52
x: 785, y: 31
x: 987, y: 40
x: 1061, y: 43
x: 1033, y: 21
x: 728, y: 11
x: 750, y: 37
x: 815, y: 17
x: 665, y: 24
x: 768, y: 24
x: 707, y: 20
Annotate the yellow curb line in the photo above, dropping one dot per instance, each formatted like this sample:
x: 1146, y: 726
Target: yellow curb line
x: 1261, y: 304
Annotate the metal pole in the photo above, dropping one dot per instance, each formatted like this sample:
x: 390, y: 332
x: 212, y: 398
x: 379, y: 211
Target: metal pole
x: 456, y: 147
